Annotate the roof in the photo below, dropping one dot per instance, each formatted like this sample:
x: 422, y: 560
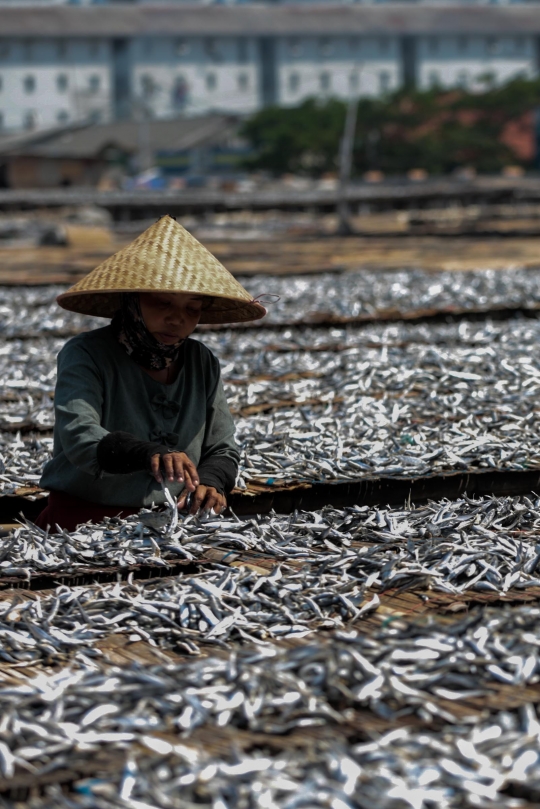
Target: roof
x: 119, y: 20
x: 94, y: 140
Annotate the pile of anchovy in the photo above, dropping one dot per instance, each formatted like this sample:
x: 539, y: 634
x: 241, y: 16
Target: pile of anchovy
x: 21, y: 462
x: 489, y: 544
x: 162, y: 722
x: 341, y: 404
x: 323, y: 588
x: 284, y: 680
x: 32, y: 311
x: 457, y: 766
x: 365, y: 294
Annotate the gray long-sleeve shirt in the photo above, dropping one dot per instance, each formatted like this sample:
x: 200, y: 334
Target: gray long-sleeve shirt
x: 100, y: 389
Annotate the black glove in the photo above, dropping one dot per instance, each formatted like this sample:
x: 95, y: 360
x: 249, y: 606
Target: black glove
x: 120, y: 453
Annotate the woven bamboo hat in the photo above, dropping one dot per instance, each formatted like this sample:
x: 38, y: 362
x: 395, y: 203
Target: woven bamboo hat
x: 165, y: 258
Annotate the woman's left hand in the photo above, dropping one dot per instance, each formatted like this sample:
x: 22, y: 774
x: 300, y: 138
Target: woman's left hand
x: 205, y: 498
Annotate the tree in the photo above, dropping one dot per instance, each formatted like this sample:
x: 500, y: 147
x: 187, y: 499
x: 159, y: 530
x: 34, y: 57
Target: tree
x: 302, y: 139
x: 437, y: 129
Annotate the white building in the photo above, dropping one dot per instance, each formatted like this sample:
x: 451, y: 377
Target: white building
x: 60, y: 63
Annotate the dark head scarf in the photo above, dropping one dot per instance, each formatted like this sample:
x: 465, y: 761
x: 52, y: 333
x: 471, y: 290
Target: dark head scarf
x: 131, y: 332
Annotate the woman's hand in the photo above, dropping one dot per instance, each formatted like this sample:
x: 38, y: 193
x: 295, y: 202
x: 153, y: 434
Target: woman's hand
x: 205, y: 498
x: 177, y: 467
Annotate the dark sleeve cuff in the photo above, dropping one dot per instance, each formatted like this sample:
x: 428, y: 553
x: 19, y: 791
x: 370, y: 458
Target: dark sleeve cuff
x: 120, y: 453
x: 219, y: 472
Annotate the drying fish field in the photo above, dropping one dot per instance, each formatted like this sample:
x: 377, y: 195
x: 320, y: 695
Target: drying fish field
x: 360, y: 631
x: 346, y: 404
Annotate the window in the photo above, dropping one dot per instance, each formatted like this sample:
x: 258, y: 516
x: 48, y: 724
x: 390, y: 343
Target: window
x: 148, y: 86
x: 28, y: 47
x: 294, y: 82
x: 384, y: 45
x: 61, y: 82
x: 354, y: 44
x: 61, y: 48
x: 4, y: 50
x: 181, y: 47
x: 325, y: 47
x: 354, y: 82
x: 29, y: 84
x: 463, y: 79
x: 384, y: 81
x: 62, y: 116
x: 324, y: 81
x: 433, y: 45
x: 434, y: 79
x: 294, y: 46
x: 93, y: 48
x: 29, y: 119
x: 148, y: 47
x: 520, y: 45
x: 243, y: 82
x: 180, y: 92
x: 492, y: 45
x: 462, y: 44
x: 211, y: 81
x: 211, y: 48
x: 94, y: 83
x: 242, y: 46
x: 95, y: 116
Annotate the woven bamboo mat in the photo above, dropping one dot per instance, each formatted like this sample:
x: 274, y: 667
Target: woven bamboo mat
x: 286, y: 256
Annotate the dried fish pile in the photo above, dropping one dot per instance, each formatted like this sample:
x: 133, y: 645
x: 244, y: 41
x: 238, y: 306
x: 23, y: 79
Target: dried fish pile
x: 427, y: 680
x: 288, y: 681
x: 21, y: 462
x: 488, y: 544
x: 366, y: 294
x: 28, y: 372
x: 149, y: 715
x: 327, y: 566
x: 32, y: 311
x: 451, y: 767
x: 399, y: 400
x: 406, y: 409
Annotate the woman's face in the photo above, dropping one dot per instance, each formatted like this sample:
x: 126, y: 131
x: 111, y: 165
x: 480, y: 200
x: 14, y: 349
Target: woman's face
x: 170, y: 316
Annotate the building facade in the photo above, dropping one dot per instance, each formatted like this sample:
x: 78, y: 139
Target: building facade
x: 65, y: 64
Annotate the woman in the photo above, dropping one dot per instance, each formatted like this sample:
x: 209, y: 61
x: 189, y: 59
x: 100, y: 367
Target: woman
x: 138, y: 404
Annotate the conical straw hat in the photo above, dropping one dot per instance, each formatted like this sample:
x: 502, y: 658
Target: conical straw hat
x: 165, y: 258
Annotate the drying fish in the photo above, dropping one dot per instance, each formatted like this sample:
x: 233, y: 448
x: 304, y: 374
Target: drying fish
x: 271, y: 678
x: 364, y: 294
x: 393, y: 401
x: 149, y: 716
x: 485, y: 544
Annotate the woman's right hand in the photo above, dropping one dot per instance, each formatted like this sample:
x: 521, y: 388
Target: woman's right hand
x: 177, y: 466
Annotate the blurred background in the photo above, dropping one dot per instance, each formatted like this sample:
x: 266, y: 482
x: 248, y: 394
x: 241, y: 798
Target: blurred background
x: 343, y: 117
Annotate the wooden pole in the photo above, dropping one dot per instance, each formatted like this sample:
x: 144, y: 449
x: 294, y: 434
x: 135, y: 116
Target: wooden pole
x: 345, y: 168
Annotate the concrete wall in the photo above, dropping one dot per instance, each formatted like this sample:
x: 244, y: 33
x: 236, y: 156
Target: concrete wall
x: 336, y: 66
x: 195, y: 75
x: 44, y: 83
x: 464, y: 60
x: 47, y: 82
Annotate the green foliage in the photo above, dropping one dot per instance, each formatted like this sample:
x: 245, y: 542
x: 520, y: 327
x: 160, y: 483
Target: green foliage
x: 438, y: 130
x: 300, y: 139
